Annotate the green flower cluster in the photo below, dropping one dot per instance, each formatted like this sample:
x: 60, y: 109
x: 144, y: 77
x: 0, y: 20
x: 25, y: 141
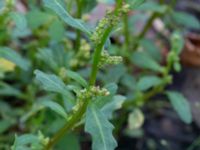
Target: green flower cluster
x: 177, y: 46
x: 82, y: 56
x: 111, y: 19
x: 106, y: 59
x: 91, y: 92
x: 44, y: 140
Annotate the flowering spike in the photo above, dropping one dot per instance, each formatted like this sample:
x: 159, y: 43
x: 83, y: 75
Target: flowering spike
x: 111, y: 19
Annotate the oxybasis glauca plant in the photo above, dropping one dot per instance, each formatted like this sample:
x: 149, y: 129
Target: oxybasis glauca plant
x: 91, y: 103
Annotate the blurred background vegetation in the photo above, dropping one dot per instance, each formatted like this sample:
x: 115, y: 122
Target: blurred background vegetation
x: 34, y: 37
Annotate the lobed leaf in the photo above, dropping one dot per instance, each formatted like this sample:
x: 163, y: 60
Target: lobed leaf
x: 100, y: 129
x: 115, y: 104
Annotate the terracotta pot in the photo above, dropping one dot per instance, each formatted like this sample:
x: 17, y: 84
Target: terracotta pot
x: 191, y: 53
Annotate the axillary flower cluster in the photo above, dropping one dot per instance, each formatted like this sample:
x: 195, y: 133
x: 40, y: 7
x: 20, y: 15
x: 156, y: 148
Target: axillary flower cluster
x: 82, y: 56
x: 91, y: 92
x: 106, y: 59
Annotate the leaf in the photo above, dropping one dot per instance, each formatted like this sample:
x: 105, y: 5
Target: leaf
x: 50, y: 82
x: 2, y: 5
x: 129, y: 81
x: 152, y: 6
x: 100, y: 129
x: 14, y: 57
x: 6, y: 65
x: 35, y: 108
x: 115, y: 104
x: 22, y: 142
x: 20, y: 20
x: 135, y: 3
x: 186, y: 19
x: 55, y: 107
x: 36, y: 18
x: 114, y: 74
x: 5, y: 125
x: 56, y: 30
x: 135, y: 119
x: 21, y: 26
x: 147, y: 82
x: 8, y: 90
x: 100, y: 102
x: 30, y: 142
x: 150, y: 48
x: 88, y: 5
x: 181, y: 106
x: 112, y: 88
x: 75, y: 76
x: 62, y: 13
x: 107, y: 1
x: 48, y: 57
x: 143, y: 60
x: 69, y: 142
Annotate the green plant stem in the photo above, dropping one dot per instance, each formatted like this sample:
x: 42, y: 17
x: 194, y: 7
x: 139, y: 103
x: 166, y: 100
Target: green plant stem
x: 97, y: 53
x: 126, y: 32
x: 76, y: 116
x: 145, y: 97
x: 145, y: 29
x: 167, y: 79
x: 68, y: 126
x: 97, y: 56
x: 78, y: 32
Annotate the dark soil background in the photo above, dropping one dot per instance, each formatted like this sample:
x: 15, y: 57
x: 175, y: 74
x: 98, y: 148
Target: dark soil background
x: 163, y: 129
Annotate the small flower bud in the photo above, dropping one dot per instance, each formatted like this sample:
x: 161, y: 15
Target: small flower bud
x: 177, y: 43
x: 106, y: 59
x: 91, y: 92
x: 44, y: 140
